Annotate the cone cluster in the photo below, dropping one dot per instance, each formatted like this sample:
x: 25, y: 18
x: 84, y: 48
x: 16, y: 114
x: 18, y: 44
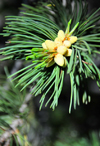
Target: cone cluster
x: 59, y: 48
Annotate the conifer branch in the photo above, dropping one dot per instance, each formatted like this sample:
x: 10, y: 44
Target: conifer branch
x: 54, y: 42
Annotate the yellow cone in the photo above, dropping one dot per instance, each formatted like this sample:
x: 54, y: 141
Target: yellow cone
x: 65, y: 62
x: 61, y: 35
x: 59, y: 59
x: 50, y: 45
x: 44, y: 46
x: 73, y: 39
x: 62, y: 50
x: 68, y: 53
x: 67, y: 43
x: 58, y: 42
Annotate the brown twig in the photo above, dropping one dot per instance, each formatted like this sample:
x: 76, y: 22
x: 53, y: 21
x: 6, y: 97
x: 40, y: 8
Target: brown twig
x: 85, y: 62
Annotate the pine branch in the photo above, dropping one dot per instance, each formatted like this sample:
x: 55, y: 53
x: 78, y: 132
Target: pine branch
x: 62, y: 39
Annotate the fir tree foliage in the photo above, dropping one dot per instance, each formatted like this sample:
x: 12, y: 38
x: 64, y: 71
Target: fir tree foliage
x: 35, y: 25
